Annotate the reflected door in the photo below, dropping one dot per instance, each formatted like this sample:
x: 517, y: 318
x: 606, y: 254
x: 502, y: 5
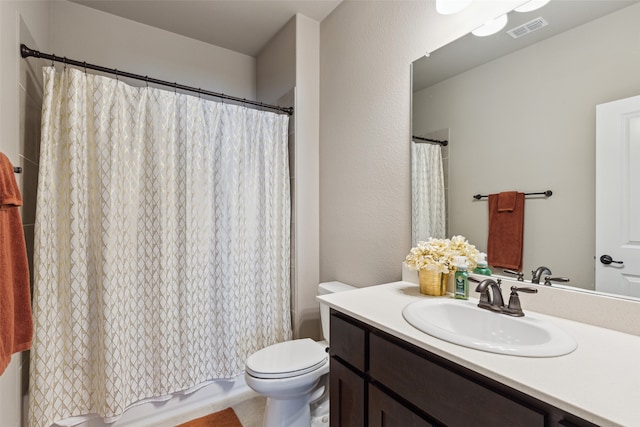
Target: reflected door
x: 618, y: 197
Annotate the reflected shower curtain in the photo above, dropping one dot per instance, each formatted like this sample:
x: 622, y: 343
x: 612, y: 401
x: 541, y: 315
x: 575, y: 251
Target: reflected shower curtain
x: 428, y: 206
x: 161, y: 253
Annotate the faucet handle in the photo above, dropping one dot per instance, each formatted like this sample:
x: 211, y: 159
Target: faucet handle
x: 520, y: 274
x: 526, y: 290
x: 549, y: 279
x: 514, y: 308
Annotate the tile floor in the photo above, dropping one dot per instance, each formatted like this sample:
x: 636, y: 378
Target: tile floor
x: 250, y: 411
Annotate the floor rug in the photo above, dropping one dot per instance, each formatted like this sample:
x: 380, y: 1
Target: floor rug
x: 224, y: 418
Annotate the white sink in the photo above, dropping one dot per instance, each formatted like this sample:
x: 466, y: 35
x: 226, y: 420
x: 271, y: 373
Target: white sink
x: 463, y: 323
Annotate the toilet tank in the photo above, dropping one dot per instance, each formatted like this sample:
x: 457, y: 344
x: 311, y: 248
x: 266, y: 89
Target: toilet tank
x: 329, y: 288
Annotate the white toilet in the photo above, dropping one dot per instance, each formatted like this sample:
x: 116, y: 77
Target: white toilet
x: 293, y: 375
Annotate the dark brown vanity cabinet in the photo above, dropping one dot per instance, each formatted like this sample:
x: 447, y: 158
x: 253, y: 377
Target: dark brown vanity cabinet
x: 379, y: 380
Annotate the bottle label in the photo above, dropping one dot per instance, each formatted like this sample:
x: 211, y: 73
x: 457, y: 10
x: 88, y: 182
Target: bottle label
x: 461, y: 286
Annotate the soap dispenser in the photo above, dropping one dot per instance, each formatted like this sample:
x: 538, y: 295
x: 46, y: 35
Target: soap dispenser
x: 482, y: 267
x: 461, y: 278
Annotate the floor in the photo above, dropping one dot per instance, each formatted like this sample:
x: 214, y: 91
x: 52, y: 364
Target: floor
x: 250, y: 411
x: 248, y: 406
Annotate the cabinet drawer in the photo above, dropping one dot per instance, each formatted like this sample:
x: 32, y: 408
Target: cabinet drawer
x: 348, y: 342
x: 445, y: 395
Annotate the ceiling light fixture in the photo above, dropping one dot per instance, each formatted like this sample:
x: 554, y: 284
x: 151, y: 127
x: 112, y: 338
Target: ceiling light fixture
x: 449, y: 7
x: 531, y: 5
x: 491, y: 27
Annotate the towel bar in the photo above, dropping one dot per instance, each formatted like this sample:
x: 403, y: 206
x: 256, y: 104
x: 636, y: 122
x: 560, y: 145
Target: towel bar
x: 547, y: 193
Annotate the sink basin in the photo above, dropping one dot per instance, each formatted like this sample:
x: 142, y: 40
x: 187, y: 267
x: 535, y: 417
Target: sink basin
x: 463, y: 323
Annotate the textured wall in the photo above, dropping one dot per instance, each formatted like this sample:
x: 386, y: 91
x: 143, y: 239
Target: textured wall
x: 366, y: 52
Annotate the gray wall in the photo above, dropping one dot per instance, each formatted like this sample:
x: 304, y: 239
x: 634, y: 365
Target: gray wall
x: 366, y: 49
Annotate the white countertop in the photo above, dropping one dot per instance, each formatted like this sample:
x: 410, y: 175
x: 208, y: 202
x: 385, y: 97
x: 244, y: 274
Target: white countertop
x: 598, y: 381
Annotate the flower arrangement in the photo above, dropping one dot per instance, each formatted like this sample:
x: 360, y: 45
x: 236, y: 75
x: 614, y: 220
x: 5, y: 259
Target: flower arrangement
x: 439, y: 254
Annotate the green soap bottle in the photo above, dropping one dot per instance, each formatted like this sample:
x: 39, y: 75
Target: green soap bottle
x: 482, y: 267
x: 461, y: 278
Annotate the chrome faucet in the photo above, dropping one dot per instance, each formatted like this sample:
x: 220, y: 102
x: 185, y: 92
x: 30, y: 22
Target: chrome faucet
x: 495, y: 302
x: 538, y: 272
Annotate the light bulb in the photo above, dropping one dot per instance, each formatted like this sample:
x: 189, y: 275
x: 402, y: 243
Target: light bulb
x: 531, y: 5
x: 449, y: 7
x: 491, y: 27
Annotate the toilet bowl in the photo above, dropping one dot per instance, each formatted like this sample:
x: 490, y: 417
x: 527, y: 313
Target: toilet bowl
x: 293, y: 375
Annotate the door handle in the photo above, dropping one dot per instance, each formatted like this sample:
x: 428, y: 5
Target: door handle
x: 606, y: 259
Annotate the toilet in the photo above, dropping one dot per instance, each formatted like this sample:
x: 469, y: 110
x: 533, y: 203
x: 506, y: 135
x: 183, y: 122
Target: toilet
x: 293, y: 375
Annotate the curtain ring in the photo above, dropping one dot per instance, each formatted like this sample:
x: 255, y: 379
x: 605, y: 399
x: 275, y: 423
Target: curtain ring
x: 199, y: 93
x: 64, y: 61
x: 146, y: 79
x: 53, y: 58
x: 84, y: 64
x: 116, y: 73
x: 175, y: 87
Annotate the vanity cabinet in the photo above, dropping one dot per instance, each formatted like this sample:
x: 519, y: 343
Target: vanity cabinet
x: 379, y: 380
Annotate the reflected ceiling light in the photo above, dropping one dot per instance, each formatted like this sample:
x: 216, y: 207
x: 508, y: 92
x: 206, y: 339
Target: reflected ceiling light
x: 449, y: 7
x: 531, y: 5
x: 491, y: 27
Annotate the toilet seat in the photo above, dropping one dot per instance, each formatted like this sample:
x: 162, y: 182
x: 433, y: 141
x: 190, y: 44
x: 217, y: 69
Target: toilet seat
x: 287, y: 359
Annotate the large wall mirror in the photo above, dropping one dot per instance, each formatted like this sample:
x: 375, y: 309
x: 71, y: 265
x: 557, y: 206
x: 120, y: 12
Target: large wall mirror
x: 519, y: 114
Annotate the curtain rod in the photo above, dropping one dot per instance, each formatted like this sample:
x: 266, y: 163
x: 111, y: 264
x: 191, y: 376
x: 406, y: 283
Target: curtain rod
x: 547, y: 193
x: 26, y: 52
x: 444, y: 143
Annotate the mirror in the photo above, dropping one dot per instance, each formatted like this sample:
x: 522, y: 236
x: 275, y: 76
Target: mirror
x: 519, y: 115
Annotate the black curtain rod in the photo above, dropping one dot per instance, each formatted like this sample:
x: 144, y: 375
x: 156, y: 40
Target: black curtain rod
x: 547, y: 193
x: 444, y: 143
x: 26, y: 52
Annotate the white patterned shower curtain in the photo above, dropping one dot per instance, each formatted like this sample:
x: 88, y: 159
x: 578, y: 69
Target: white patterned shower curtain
x: 428, y: 205
x: 161, y: 254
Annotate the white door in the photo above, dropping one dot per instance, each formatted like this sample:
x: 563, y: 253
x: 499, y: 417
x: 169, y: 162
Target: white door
x: 618, y: 197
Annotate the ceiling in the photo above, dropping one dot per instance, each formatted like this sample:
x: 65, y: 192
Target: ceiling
x: 243, y: 26
x: 471, y: 51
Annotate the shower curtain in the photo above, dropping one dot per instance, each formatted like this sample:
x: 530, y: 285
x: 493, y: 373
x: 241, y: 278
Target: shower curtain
x: 428, y: 206
x: 161, y: 254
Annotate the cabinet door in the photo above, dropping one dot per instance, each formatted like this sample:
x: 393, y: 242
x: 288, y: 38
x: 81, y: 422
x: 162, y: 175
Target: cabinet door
x: 447, y: 396
x: 384, y: 411
x: 346, y: 396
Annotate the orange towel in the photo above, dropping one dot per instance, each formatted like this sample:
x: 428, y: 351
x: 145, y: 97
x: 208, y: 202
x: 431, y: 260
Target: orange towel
x: 506, y: 230
x: 16, y: 323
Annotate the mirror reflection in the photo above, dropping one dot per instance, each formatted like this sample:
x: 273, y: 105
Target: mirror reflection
x: 519, y: 114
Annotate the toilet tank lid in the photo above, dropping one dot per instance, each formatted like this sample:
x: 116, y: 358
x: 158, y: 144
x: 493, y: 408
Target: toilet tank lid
x: 333, y: 287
